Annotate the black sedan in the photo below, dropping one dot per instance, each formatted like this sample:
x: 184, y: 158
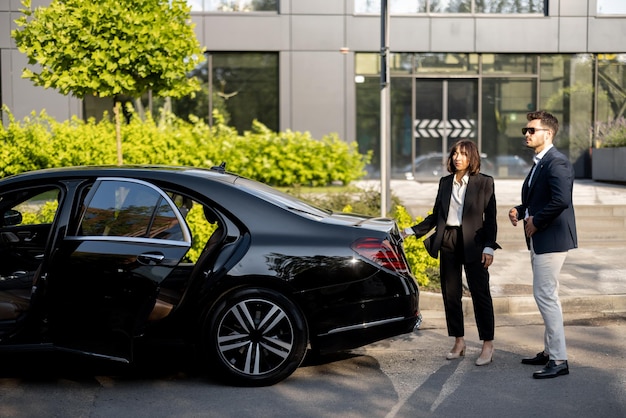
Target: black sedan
x: 94, y: 260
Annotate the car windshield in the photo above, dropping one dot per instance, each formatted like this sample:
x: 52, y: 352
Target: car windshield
x: 281, y: 199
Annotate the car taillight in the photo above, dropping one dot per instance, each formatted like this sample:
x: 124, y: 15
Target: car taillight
x: 380, y: 252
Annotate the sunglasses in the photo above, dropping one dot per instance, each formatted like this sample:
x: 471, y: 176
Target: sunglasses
x: 532, y: 130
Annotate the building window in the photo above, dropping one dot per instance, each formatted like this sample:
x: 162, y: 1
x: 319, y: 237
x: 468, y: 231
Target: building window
x: 611, y: 7
x: 509, y: 64
x: 511, y: 7
x: 233, y: 5
x: 611, y: 89
x: 445, y: 99
x: 455, y: 6
x: 447, y: 63
x: 243, y: 88
x: 450, y: 6
x: 395, y: 6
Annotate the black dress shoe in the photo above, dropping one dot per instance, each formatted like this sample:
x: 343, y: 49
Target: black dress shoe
x: 552, y: 370
x: 539, y: 360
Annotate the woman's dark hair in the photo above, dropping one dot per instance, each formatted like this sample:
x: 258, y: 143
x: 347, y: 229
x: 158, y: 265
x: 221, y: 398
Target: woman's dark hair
x: 472, y: 154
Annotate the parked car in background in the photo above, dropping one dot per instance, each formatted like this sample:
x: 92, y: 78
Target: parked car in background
x: 512, y: 166
x: 95, y: 259
x: 433, y: 166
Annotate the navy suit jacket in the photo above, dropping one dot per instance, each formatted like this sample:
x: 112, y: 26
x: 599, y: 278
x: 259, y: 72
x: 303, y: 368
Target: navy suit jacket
x: 549, y: 200
x: 478, y: 223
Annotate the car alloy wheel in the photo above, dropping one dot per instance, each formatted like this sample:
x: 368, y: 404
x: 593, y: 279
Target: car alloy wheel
x: 258, y: 336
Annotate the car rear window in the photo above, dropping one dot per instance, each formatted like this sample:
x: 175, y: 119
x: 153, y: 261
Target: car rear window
x: 281, y: 199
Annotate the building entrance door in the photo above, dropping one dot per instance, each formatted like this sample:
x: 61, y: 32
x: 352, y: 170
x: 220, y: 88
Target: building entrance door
x: 446, y: 110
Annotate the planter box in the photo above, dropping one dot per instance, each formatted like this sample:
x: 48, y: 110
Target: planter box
x: 609, y: 164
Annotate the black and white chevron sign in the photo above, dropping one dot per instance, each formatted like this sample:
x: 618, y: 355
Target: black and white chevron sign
x: 434, y: 128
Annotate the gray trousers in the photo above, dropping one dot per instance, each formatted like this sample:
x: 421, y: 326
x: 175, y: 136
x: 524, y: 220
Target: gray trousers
x: 546, y: 269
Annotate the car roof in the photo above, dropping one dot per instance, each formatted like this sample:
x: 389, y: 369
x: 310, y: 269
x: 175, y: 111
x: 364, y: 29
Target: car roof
x: 144, y: 171
x: 254, y: 192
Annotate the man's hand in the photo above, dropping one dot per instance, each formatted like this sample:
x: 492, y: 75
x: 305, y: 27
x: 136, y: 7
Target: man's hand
x: 513, y: 216
x: 530, y: 228
x: 487, y: 260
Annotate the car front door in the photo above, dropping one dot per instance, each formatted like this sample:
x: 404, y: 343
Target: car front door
x: 105, y: 275
x: 26, y: 221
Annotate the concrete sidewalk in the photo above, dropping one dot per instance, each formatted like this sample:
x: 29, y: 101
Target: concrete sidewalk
x: 593, y: 281
x: 593, y: 278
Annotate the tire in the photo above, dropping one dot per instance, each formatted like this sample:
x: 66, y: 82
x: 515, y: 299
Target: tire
x: 256, y: 337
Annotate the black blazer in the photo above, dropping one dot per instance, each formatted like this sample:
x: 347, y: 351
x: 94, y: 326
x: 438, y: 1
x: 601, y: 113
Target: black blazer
x: 549, y: 201
x: 478, y: 225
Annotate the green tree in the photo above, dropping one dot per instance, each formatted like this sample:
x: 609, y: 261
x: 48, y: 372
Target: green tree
x: 110, y: 48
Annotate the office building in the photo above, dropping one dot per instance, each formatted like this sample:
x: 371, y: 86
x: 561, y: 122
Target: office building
x: 457, y: 69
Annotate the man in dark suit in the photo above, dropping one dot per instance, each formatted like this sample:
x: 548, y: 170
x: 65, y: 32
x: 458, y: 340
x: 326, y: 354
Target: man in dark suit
x: 550, y: 231
x: 464, y: 215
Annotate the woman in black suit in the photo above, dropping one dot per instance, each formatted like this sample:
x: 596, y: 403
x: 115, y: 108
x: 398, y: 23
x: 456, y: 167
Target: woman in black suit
x: 464, y: 216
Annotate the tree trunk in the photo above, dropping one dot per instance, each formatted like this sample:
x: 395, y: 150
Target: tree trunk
x: 118, y: 132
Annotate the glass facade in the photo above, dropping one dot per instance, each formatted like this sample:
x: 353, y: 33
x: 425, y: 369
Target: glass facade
x: 485, y: 97
x: 611, y: 7
x: 610, y: 97
x: 506, y: 6
x: 233, y: 5
x: 243, y: 88
x: 454, y: 6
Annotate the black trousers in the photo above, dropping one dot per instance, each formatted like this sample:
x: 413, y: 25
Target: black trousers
x: 451, y: 263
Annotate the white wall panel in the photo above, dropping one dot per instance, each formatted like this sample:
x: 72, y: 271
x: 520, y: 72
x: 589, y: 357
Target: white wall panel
x: 607, y: 34
x: 318, y: 7
x: 452, y: 35
x: 318, y: 92
x: 316, y: 33
x: 572, y: 8
x: 572, y: 34
x: 245, y: 33
x: 517, y: 35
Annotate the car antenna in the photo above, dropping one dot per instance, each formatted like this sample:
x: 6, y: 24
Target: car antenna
x: 221, y: 168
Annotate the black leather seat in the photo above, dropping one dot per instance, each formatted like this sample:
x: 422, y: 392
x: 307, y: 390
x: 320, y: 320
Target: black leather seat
x: 167, y: 299
x: 15, y: 291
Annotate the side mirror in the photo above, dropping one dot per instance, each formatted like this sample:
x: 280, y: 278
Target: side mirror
x: 12, y: 217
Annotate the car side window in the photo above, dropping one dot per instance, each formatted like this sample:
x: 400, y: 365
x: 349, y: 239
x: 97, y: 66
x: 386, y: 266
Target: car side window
x: 116, y: 208
x: 34, y: 209
x: 26, y: 219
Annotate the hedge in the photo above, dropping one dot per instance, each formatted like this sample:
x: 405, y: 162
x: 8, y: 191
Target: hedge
x: 279, y: 159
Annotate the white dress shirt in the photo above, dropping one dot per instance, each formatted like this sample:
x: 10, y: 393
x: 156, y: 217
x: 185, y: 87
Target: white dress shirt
x: 536, y: 159
x: 457, y: 200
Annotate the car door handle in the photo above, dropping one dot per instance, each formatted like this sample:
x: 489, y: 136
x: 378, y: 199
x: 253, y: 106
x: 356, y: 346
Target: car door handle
x: 29, y: 238
x: 150, y: 259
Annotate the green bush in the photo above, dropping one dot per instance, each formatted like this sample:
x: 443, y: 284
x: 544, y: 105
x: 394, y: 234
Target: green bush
x: 43, y: 214
x: 424, y: 267
x: 201, y: 231
x: 278, y: 159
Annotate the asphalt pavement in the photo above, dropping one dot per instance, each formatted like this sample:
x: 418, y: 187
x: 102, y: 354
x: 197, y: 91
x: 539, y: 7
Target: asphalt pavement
x: 593, y: 278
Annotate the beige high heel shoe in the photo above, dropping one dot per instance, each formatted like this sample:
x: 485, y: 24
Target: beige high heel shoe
x: 453, y: 356
x: 483, y: 361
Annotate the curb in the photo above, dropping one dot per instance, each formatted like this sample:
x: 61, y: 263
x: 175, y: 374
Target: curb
x: 525, y: 305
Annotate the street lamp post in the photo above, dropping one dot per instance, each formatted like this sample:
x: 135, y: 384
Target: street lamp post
x: 209, y: 63
x: 385, y: 117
